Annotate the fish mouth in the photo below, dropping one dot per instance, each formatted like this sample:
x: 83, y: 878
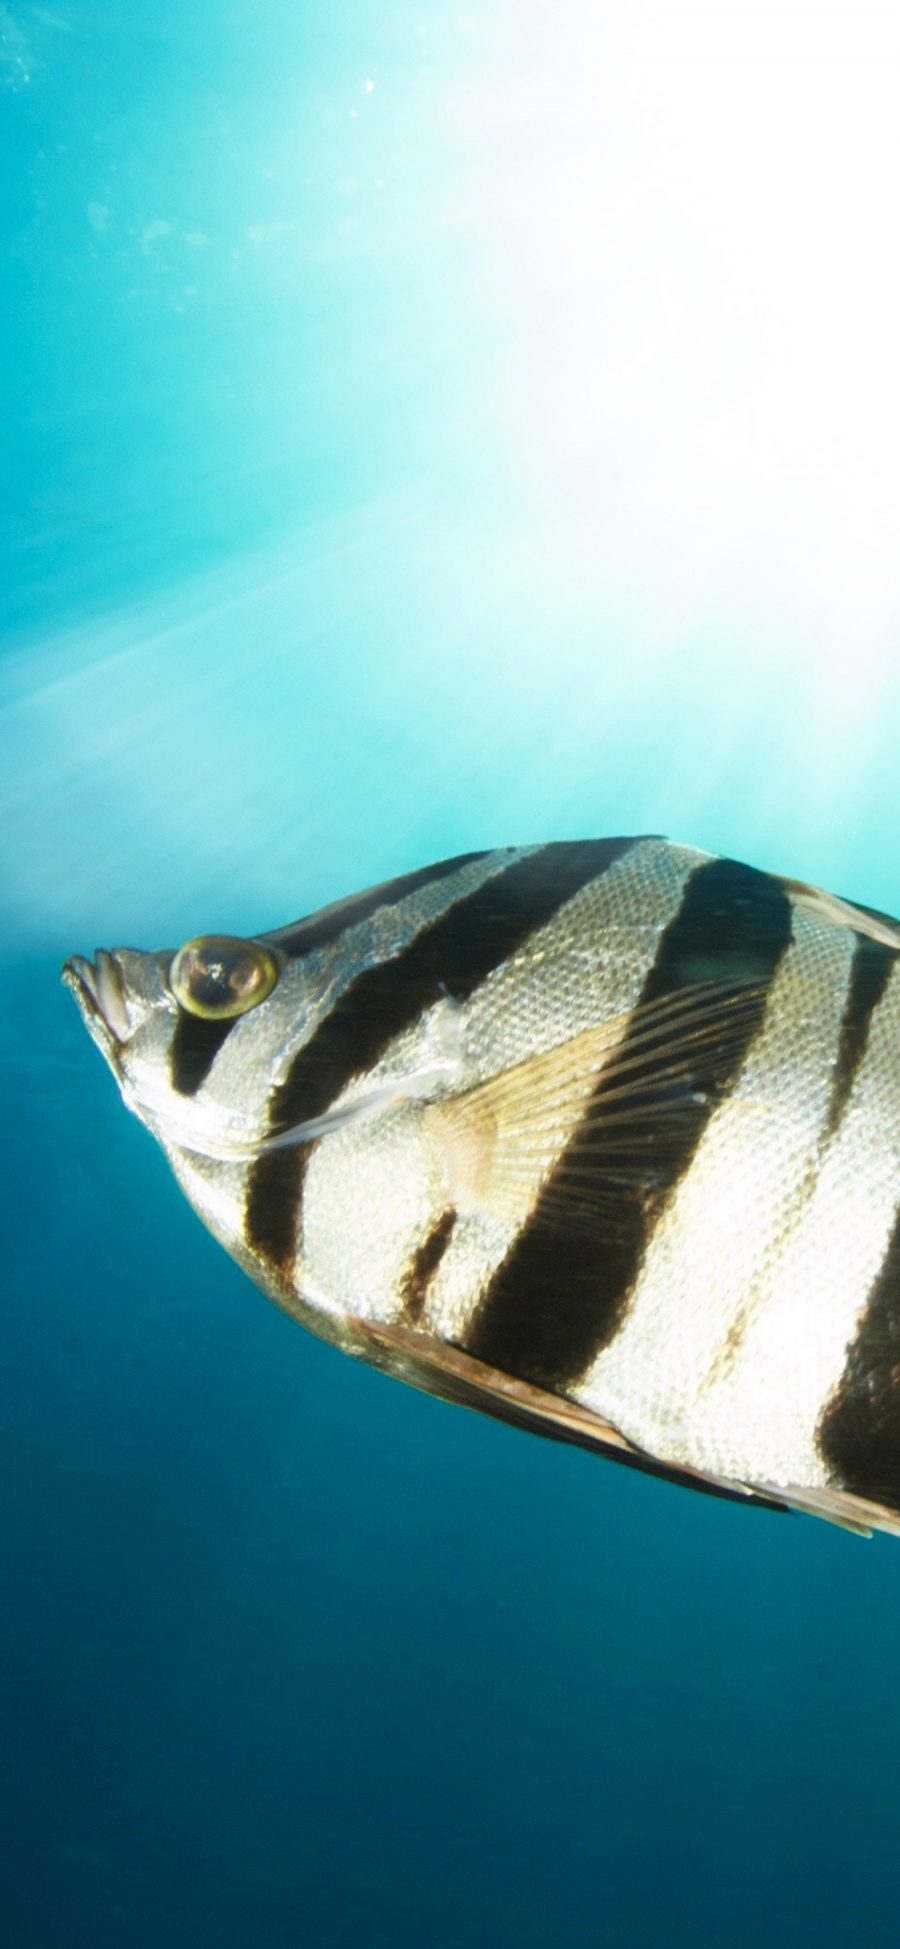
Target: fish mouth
x: 99, y: 990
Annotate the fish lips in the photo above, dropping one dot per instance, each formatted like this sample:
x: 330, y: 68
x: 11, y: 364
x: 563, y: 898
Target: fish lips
x: 99, y: 990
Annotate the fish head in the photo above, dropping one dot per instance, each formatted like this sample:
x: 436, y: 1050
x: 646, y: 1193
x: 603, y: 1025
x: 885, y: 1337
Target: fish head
x: 205, y: 1044
x: 194, y: 1036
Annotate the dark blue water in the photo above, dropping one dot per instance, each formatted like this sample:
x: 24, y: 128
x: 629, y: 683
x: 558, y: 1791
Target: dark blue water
x: 428, y: 429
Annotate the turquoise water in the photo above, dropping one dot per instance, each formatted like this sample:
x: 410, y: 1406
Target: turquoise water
x: 427, y: 428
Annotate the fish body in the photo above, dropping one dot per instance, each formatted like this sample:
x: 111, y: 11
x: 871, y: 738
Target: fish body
x: 599, y: 1137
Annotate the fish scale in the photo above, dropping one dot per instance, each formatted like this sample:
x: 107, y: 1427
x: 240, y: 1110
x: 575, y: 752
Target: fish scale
x: 751, y: 1174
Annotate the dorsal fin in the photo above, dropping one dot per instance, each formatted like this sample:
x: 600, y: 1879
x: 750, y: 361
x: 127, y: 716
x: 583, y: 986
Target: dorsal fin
x: 830, y: 906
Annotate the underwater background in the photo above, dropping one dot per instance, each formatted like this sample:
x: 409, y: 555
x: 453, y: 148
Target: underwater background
x: 425, y: 427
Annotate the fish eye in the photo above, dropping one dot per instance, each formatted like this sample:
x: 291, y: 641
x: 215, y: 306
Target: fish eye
x: 217, y: 976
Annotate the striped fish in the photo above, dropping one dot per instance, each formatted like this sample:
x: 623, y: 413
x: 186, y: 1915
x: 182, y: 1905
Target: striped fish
x: 601, y: 1138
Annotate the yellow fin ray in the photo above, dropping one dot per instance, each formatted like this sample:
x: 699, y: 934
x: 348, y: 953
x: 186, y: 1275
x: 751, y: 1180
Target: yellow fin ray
x: 596, y: 1112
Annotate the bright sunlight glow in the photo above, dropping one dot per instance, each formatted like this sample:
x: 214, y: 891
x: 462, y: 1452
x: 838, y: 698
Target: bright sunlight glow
x: 534, y: 374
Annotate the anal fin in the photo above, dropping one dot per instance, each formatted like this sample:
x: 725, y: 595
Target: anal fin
x: 838, y: 1506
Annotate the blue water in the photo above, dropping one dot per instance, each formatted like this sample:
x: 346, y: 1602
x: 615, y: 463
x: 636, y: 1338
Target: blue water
x: 426, y: 428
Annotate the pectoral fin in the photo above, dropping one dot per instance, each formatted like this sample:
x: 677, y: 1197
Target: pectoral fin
x: 601, y: 1112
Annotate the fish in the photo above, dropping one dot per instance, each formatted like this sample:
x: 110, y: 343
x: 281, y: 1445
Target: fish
x: 599, y: 1137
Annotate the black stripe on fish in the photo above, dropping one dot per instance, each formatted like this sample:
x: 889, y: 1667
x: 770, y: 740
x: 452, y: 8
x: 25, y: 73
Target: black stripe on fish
x: 450, y: 957
x: 859, y: 1433
x: 870, y: 970
x: 272, y: 1234
x: 423, y: 1267
x: 561, y: 1293
x: 324, y: 928
x: 196, y: 1042
x: 195, y: 1045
